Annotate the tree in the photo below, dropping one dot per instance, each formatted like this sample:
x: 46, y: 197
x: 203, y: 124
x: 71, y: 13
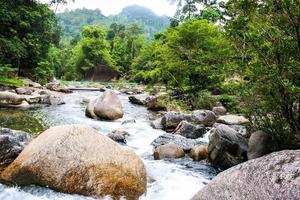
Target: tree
x: 27, y: 30
x: 191, y: 57
x: 56, y: 3
x: 187, y: 9
x: 267, y: 35
x: 92, y: 50
x: 125, y: 44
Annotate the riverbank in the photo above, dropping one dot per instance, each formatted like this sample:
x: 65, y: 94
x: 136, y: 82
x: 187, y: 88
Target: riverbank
x: 182, y: 151
x: 170, y: 178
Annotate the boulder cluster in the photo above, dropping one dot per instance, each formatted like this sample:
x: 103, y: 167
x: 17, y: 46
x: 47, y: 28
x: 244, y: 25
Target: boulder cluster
x: 33, y: 94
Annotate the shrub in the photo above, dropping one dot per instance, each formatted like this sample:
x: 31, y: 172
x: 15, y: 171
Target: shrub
x: 6, y: 70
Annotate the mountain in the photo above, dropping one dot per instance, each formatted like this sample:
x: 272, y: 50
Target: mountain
x: 73, y: 21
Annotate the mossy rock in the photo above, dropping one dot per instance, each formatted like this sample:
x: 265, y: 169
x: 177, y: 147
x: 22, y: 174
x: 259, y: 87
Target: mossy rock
x: 22, y: 120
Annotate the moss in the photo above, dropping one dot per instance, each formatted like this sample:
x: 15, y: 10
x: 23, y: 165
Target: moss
x: 11, y: 82
x: 22, y: 120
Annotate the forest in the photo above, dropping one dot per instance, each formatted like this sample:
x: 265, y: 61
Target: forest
x: 241, y: 54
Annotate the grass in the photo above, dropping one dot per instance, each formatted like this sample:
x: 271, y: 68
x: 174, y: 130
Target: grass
x: 11, y: 81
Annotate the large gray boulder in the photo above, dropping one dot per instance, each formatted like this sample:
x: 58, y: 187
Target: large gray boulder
x: 11, y: 145
x: 226, y: 147
x: 183, y: 142
x: 77, y: 159
x: 260, y: 144
x: 189, y: 130
x: 205, y: 117
x: 108, y: 106
x: 171, y: 120
x: 275, y: 176
x: 9, y: 98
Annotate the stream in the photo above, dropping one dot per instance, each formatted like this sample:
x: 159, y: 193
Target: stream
x: 171, y: 179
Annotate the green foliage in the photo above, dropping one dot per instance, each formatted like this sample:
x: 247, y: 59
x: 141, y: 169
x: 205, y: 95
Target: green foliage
x: 125, y: 45
x: 199, y: 9
x: 44, y: 72
x: 202, y: 100
x: 26, y: 32
x: 231, y: 102
x: 231, y: 87
x: 73, y: 21
x: 191, y: 57
x: 90, y: 51
x: 269, y: 45
x: 6, y: 70
x: 11, y: 81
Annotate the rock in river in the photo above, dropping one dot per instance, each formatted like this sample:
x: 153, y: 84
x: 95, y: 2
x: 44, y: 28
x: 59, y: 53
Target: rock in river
x: 9, y: 98
x: 189, y: 130
x: 11, y: 144
x: 77, y: 159
x: 137, y: 99
x: 183, y: 142
x: 275, y: 176
x: 118, y: 136
x: 199, y: 153
x: 170, y: 150
x: 172, y: 119
x: 107, y: 106
x: 226, y: 147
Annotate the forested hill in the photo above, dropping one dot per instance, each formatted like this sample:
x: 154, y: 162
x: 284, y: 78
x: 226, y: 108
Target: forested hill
x: 73, y: 21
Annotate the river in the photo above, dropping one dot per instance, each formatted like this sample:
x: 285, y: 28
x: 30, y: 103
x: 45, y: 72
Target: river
x: 171, y: 179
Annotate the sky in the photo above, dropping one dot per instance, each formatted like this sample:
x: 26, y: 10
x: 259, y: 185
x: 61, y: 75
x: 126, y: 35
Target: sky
x: 108, y: 7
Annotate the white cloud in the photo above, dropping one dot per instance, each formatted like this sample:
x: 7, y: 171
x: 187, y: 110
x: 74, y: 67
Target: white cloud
x: 161, y: 7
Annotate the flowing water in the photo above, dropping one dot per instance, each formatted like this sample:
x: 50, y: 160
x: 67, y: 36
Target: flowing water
x: 171, y: 179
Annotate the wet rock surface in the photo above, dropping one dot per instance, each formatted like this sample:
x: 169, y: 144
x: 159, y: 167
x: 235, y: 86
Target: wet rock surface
x: 227, y: 148
x: 185, y: 143
x: 189, y: 130
x: 199, y: 153
x: 274, y: 176
x: 77, y: 159
x: 12, y: 143
x: 9, y: 98
x: 170, y: 151
x: 119, y: 136
x: 107, y: 106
